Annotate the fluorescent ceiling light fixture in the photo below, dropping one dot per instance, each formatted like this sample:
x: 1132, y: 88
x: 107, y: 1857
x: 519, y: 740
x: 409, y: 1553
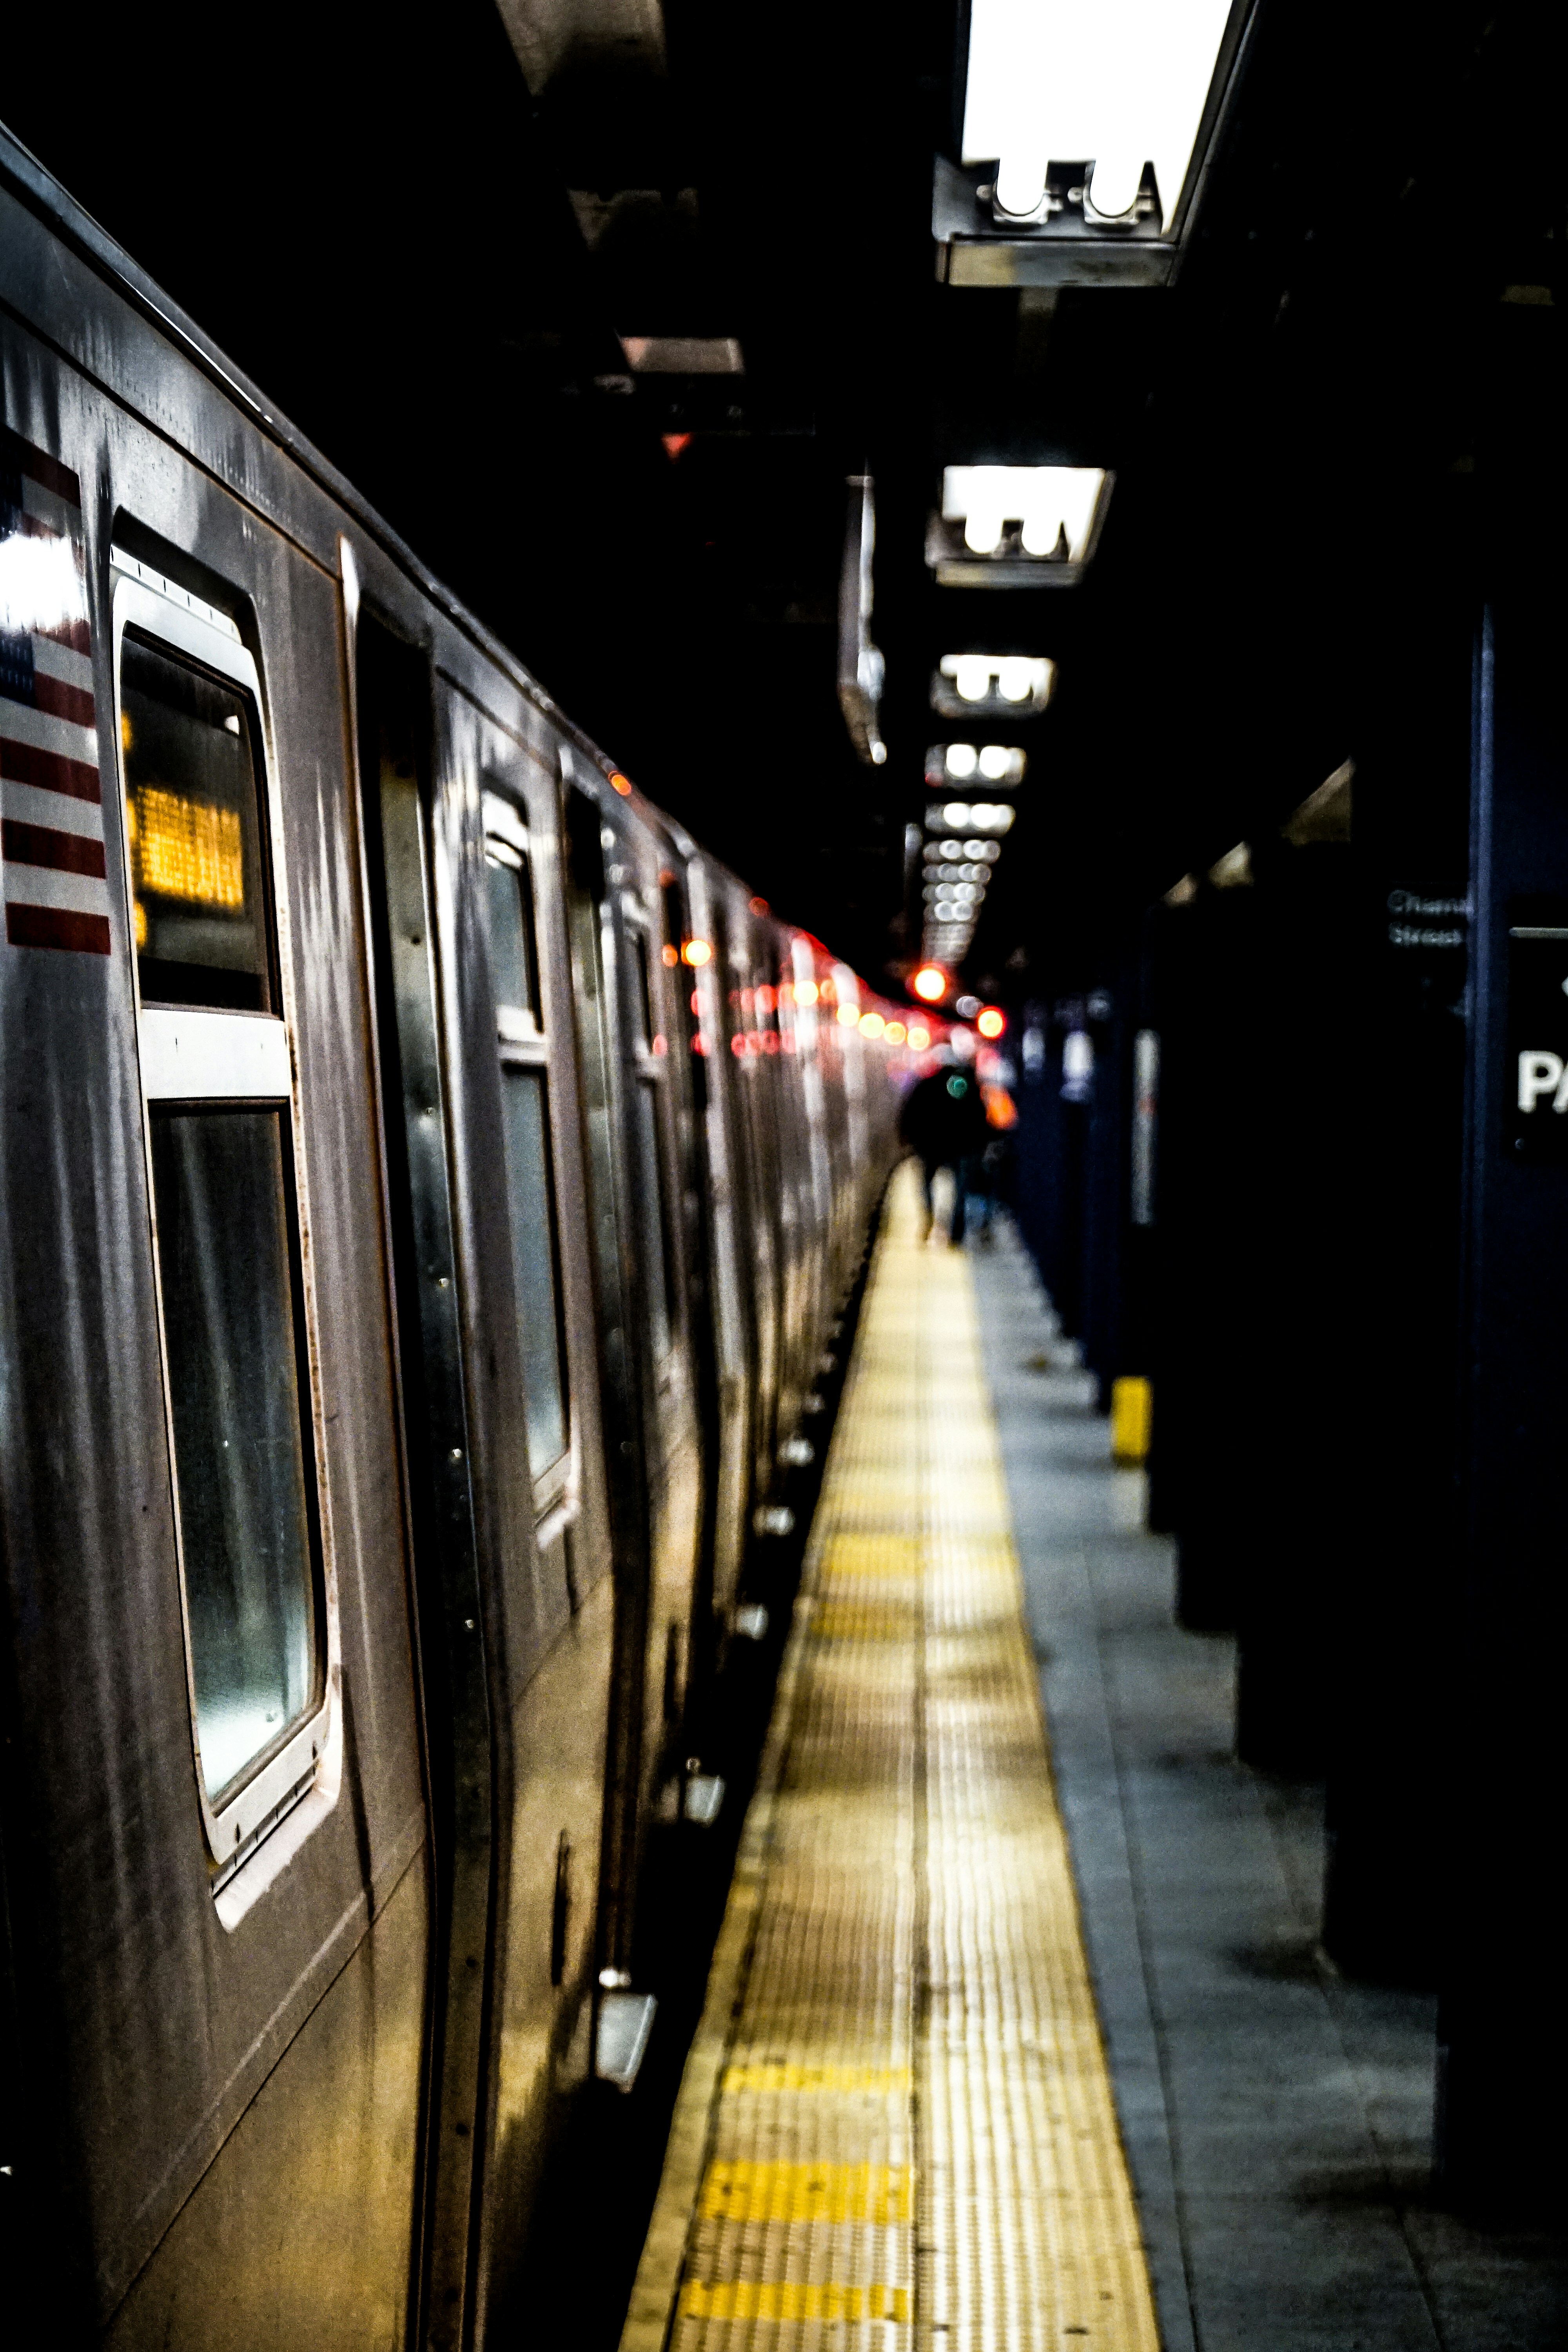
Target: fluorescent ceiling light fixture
x: 938, y: 854
x: 1017, y: 526
x: 982, y: 683
x: 1108, y: 86
x: 683, y: 355
x: 959, y: 763
x: 1053, y: 508
x: 970, y: 816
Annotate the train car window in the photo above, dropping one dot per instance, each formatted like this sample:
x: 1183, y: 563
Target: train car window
x: 586, y: 872
x: 218, y: 1078
x: 194, y: 832
x: 536, y: 1262
x: 653, y: 1216
x: 232, y: 1343
x: 514, y: 943
x: 644, y: 989
x: 525, y: 1107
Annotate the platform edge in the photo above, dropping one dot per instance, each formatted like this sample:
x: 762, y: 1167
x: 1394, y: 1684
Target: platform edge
x: 650, y: 2313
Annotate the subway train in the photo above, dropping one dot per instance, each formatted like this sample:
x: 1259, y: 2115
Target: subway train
x: 430, y: 1183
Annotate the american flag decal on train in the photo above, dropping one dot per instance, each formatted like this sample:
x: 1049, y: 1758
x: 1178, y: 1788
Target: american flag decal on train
x: 51, y: 810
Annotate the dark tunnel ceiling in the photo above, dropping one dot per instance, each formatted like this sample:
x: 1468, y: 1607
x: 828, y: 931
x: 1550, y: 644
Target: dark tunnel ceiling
x: 382, y: 235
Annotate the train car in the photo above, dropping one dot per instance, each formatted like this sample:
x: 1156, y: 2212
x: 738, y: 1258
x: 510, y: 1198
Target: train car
x: 429, y: 1185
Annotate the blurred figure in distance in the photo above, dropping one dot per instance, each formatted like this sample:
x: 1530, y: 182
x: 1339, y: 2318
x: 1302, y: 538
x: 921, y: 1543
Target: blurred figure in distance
x: 944, y: 1123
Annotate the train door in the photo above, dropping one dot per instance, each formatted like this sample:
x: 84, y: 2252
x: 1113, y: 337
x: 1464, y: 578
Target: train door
x: 499, y: 1410
x: 730, y: 1239
x: 654, y: 1095
x: 817, y: 1174
x: 767, y: 1223
x: 612, y: 1224
x: 396, y: 739
x: 538, y: 1470
x: 706, y: 1299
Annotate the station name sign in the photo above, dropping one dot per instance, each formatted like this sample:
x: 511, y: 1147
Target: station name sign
x: 1418, y: 921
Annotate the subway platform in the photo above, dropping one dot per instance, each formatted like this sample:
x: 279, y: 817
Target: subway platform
x: 1017, y: 2033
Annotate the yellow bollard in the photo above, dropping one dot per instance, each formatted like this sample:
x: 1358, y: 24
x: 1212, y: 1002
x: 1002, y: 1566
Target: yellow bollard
x: 1131, y: 1413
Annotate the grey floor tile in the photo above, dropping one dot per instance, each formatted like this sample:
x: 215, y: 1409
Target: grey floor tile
x: 1278, y: 2117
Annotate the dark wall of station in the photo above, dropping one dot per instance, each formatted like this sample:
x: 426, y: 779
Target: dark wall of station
x: 1352, y: 1296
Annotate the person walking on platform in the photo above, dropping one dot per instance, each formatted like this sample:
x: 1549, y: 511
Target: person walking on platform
x: 944, y: 1123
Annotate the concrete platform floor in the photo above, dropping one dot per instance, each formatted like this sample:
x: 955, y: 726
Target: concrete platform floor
x: 1277, y: 2116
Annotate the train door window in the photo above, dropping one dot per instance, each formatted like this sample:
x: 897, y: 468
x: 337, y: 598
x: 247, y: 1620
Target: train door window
x: 651, y: 1059
x: 525, y: 1110
x: 651, y: 1216
x: 644, y: 991
x: 515, y: 944
x: 217, y: 1076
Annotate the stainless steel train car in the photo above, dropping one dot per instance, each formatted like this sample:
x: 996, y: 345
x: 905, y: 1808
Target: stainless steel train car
x: 429, y: 1181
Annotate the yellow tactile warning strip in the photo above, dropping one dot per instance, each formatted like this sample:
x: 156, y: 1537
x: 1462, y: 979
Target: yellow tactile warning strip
x: 896, y: 2125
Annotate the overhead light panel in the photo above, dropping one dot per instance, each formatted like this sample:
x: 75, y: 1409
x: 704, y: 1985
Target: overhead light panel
x: 981, y: 686
x: 683, y: 355
x: 1017, y: 526
x: 991, y: 817
x: 1087, y: 127
x: 999, y: 765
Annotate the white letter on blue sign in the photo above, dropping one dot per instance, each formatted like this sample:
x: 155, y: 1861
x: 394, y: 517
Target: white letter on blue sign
x: 1539, y: 1074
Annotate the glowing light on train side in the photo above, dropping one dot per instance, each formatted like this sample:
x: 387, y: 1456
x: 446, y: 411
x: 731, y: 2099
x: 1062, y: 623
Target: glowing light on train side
x: 696, y: 953
x: 920, y: 1036
x: 895, y: 1033
x: 871, y: 1024
x: 848, y: 1016
x: 992, y: 1021
x: 620, y: 783
x: 185, y: 849
x: 930, y: 983
x: 40, y: 587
